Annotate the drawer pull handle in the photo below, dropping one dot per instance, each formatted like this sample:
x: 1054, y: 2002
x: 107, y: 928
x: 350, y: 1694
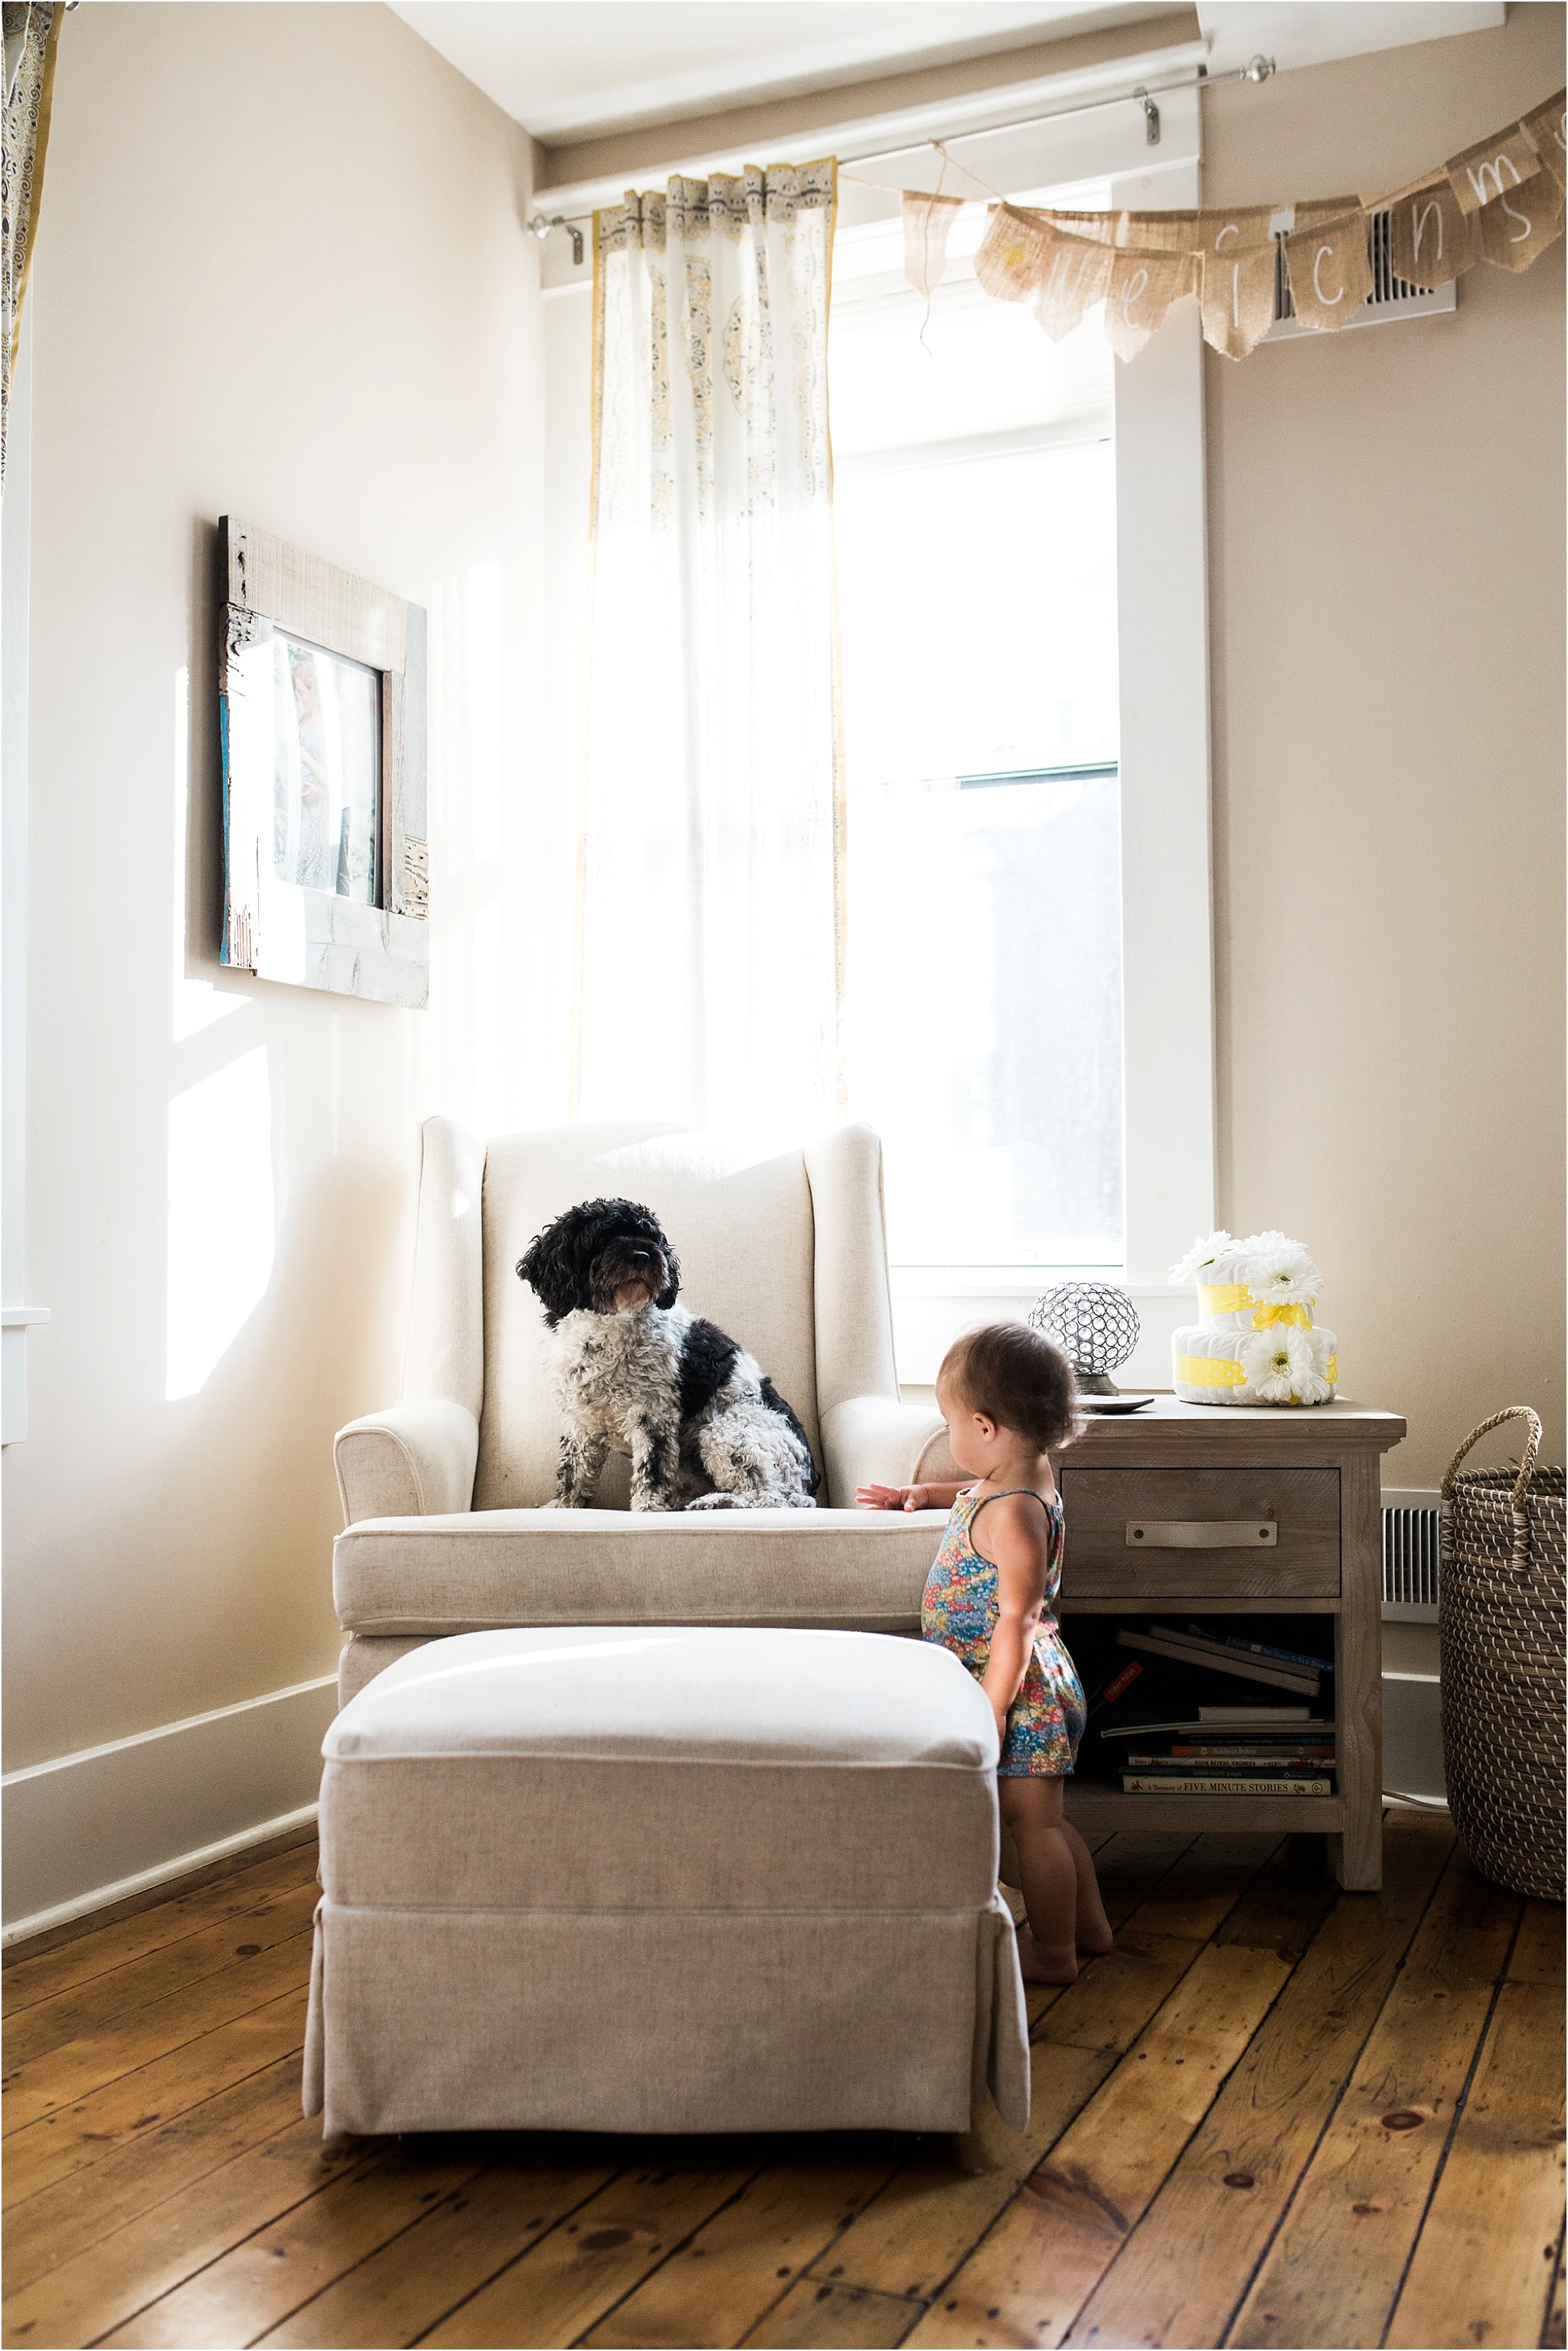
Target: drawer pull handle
x: 1202, y: 1534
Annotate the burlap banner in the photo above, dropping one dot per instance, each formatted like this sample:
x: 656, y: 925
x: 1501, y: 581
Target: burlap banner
x: 1501, y: 201
x: 926, y: 223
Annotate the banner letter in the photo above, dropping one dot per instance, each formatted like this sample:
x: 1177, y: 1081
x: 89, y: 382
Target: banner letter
x: 1330, y: 271
x: 1430, y: 239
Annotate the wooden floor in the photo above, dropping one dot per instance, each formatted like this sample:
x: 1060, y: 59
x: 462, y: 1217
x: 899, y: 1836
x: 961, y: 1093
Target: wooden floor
x: 1275, y: 2115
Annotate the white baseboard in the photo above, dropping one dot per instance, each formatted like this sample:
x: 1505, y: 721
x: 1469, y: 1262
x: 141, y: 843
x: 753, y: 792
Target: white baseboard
x: 102, y: 1897
x: 86, y: 1830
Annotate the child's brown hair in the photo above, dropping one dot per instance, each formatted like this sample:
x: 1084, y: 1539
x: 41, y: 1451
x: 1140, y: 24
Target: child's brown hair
x: 1017, y: 1377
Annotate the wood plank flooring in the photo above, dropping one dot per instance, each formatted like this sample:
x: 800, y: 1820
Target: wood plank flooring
x: 1274, y: 2115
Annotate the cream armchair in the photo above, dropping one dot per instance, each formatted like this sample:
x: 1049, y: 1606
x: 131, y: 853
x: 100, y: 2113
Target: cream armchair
x: 444, y: 1493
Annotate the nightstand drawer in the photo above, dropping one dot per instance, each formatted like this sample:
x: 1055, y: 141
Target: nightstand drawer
x: 1154, y: 1533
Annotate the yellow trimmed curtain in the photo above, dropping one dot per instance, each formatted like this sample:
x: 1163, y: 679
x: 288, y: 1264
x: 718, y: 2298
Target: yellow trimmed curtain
x: 706, y: 982
x: 32, y: 34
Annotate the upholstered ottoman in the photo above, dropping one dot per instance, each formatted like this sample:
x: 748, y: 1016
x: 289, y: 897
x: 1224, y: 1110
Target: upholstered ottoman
x: 660, y: 1879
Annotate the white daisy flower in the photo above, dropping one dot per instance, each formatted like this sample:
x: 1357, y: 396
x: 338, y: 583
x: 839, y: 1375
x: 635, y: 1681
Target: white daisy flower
x: 1202, y: 1252
x: 1285, y: 1365
x: 1313, y: 1384
x: 1280, y: 1272
x: 1269, y: 1360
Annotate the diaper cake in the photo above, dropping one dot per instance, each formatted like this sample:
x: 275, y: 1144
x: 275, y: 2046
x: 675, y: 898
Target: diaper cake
x: 1255, y: 1341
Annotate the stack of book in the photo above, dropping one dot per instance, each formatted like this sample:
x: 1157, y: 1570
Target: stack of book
x: 1228, y: 1750
x: 1251, y: 1661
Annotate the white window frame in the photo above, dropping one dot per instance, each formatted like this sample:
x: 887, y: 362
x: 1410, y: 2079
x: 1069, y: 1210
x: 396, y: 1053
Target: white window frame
x: 1168, y: 1061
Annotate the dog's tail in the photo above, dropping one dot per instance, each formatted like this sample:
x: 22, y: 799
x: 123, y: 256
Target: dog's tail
x: 775, y: 1403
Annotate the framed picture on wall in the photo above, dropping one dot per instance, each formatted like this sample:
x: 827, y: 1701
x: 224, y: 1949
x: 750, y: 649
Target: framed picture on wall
x: 326, y: 863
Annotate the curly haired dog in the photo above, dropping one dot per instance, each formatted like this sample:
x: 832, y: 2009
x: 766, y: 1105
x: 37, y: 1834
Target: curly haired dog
x: 631, y: 1368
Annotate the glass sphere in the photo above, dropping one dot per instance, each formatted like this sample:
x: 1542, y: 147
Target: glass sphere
x: 1094, y: 1324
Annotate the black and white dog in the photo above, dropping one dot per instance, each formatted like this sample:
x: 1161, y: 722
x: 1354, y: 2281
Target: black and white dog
x: 631, y: 1368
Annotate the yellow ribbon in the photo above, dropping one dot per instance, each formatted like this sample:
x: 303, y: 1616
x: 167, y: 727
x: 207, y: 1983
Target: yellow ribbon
x: 1298, y: 1315
x: 1223, y: 1371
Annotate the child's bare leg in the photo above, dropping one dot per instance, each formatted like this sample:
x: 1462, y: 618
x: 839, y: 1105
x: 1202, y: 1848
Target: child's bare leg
x: 1093, y: 1929
x: 1046, y: 1950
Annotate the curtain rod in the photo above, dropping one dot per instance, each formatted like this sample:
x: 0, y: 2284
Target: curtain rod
x: 1256, y: 70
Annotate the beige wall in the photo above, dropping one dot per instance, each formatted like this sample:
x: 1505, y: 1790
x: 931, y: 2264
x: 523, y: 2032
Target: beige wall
x: 1387, y: 613
x: 281, y: 275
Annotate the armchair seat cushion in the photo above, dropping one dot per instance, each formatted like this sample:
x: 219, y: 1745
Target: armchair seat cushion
x: 860, y: 1570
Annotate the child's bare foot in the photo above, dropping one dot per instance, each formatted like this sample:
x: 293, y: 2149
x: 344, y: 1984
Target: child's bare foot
x: 1040, y: 1964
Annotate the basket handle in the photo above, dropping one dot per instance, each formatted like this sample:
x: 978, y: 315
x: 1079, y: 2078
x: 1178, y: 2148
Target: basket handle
x: 1522, y: 1485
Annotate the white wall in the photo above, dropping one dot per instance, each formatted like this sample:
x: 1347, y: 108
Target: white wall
x: 280, y: 275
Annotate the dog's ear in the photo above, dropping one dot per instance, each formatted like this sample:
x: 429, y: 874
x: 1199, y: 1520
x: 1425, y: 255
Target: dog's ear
x: 672, y: 1289
x: 549, y: 1267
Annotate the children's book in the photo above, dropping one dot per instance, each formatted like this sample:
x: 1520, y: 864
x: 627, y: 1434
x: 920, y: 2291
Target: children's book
x: 1107, y: 1695
x: 1245, y: 1715
x: 1209, y: 1719
x: 1284, y: 1657
x: 1152, y: 1783
x: 1161, y: 1642
x: 1245, y: 1767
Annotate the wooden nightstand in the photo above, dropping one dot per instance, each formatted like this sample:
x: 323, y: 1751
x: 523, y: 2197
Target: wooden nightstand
x: 1176, y: 1470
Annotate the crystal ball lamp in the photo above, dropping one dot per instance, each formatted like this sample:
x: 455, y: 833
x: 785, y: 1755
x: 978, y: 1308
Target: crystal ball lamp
x: 1095, y: 1326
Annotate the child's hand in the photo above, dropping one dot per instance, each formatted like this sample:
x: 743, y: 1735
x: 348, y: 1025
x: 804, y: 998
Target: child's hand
x: 892, y: 1497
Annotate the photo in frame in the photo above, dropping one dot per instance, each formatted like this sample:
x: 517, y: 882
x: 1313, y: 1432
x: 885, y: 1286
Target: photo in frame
x: 322, y: 698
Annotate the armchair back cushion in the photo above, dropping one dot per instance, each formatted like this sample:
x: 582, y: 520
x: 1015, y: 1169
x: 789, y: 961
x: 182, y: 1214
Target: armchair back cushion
x: 743, y: 1228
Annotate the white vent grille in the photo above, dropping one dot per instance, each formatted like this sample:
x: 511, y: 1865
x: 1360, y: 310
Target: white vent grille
x: 1392, y: 297
x: 1410, y: 1558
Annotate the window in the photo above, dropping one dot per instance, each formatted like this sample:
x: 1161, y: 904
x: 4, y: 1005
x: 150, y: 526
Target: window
x: 977, y: 542
x: 931, y: 438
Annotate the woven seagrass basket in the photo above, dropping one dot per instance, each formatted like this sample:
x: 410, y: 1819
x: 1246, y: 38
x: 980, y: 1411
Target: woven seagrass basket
x: 1501, y: 1623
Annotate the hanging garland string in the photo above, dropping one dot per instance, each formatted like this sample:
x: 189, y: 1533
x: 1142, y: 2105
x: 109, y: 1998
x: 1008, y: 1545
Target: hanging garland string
x: 1502, y: 200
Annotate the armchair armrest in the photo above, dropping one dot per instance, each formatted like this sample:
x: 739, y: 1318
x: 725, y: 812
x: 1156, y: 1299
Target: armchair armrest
x: 877, y: 1440
x: 412, y: 1460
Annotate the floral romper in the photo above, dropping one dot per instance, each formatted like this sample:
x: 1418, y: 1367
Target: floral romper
x: 959, y: 1608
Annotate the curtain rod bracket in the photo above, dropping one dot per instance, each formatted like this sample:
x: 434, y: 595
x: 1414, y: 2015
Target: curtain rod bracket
x: 1151, y: 115
x: 540, y: 228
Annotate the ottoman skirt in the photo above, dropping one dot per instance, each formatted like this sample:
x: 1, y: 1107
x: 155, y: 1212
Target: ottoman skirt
x: 663, y: 1879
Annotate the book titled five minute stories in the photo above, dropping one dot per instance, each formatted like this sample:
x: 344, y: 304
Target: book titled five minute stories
x: 1230, y: 1751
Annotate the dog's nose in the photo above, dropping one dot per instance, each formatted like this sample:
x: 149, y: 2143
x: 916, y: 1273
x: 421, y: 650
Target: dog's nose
x: 639, y: 1257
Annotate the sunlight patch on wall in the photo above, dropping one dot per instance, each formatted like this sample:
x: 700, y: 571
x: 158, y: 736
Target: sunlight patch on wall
x: 220, y: 1235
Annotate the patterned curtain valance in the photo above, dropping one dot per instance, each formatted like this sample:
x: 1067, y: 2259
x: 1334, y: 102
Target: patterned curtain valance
x: 31, y: 34
x: 752, y: 199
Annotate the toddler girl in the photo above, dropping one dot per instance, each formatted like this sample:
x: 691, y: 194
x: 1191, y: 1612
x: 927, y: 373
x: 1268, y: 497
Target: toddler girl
x: 1006, y: 1393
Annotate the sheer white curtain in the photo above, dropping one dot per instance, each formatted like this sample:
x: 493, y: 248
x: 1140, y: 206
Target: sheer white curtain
x: 708, y: 937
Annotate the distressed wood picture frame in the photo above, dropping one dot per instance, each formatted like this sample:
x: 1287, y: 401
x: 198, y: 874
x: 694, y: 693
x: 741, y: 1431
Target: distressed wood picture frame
x: 321, y: 685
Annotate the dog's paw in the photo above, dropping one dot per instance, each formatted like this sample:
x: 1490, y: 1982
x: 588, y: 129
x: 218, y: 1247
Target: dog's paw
x: 720, y: 1502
